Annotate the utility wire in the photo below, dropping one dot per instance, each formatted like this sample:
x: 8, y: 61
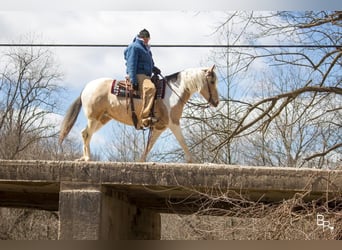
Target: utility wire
x: 170, y: 45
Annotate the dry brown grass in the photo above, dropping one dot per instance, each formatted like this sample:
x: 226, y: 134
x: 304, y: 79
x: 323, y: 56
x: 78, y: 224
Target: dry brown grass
x: 28, y: 224
x: 292, y: 219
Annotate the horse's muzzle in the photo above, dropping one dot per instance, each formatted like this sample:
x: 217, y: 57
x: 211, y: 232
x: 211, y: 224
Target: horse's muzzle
x: 213, y: 102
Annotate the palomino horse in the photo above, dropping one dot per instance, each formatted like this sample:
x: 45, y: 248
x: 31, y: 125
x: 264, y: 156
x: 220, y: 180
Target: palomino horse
x: 100, y: 106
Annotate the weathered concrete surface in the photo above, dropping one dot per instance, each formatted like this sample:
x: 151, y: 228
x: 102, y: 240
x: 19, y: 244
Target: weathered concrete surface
x: 151, y: 183
x: 90, y: 212
x: 103, y: 200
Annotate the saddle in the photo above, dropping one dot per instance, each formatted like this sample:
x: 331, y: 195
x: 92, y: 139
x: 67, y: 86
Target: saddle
x: 124, y: 88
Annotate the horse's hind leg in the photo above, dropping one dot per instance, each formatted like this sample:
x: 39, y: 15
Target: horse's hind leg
x: 87, y: 133
x: 86, y: 144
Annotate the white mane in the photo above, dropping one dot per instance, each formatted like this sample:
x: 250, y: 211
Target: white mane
x: 193, y: 79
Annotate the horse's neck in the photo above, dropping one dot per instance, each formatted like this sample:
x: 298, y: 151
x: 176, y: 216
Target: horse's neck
x: 184, y: 90
x: 178, y: 93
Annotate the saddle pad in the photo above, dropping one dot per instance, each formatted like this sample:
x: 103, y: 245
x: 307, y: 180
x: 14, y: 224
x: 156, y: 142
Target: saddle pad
x: 120, y: 90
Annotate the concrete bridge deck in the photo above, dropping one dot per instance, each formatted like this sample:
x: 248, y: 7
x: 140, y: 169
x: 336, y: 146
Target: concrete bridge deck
x: 106, y: 200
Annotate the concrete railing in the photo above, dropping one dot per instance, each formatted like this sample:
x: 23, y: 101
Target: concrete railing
x: 106, y: 200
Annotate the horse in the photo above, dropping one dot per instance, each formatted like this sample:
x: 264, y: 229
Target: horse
x: 100, y: 106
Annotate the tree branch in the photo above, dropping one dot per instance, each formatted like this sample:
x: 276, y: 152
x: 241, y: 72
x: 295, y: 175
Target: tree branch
x: 336, y: 146
x: 290, y: 96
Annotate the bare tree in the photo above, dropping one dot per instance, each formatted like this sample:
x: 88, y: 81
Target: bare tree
x: 127, y: 144
x: 29, y: 98
x: 28, y: 90
x: 301, y: 109
x: 298, y: 130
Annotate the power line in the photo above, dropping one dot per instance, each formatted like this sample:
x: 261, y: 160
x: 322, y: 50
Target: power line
x: 170, y: 45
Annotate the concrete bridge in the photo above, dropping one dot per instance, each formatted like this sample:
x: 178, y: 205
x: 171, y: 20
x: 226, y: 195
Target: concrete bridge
x: 105, y: 200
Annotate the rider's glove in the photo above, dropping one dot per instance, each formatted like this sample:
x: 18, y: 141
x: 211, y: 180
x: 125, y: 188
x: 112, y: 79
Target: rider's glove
x: 156, y: 70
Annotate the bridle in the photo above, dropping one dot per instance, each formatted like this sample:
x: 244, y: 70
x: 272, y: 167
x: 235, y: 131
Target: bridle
x: 207, y: 76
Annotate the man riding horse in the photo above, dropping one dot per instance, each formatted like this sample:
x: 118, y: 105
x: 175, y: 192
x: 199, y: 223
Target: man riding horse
x: 140, y: 66
x: 100, y: 104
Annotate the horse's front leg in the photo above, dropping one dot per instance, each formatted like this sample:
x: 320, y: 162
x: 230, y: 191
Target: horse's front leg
x: 176, y: 130
x: 153, y: 138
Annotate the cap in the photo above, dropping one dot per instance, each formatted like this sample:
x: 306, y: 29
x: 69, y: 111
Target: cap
x: 144, y: 34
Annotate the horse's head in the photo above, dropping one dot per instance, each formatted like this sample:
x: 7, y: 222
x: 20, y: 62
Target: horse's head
x: 209, y: 87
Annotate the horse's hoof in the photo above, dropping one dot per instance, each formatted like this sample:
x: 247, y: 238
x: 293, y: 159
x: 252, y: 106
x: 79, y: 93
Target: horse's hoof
x: 190, y: 160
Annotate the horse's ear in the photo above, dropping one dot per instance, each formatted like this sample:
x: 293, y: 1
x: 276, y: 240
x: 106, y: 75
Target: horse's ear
x: 212, y: 68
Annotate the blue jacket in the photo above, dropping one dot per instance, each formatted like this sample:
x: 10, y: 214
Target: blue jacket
x: 138, y: 60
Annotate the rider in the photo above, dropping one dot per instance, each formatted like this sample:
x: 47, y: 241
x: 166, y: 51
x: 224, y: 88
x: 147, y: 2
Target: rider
x: 139, y: 67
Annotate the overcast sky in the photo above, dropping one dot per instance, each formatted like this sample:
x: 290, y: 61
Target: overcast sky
x: 170, y: 5
x: 96, y: 22
x: 114, y: 27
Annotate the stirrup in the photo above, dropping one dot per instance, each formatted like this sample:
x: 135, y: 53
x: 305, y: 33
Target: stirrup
x: 149, y: 121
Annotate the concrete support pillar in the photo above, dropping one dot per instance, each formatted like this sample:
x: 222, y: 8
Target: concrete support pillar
x: 94, y: 212
x: 79, y: 211
x: 122, y: 220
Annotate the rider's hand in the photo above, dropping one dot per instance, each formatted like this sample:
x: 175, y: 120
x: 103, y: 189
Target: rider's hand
x: 156, y: 70
x: 136, y: 87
